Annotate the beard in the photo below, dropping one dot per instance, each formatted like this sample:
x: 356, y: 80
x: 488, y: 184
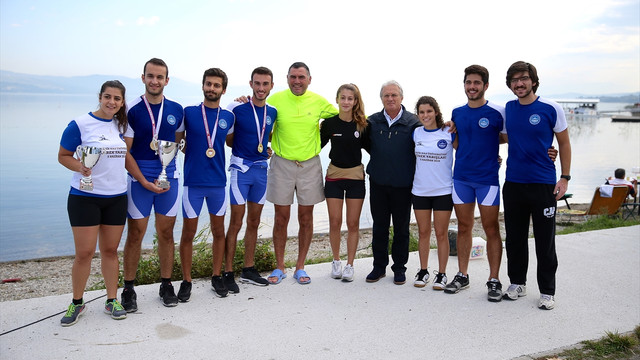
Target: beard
x: 478, y: 95
x: 527, y: 91
x: 257, y: 97
x: 210, y: 96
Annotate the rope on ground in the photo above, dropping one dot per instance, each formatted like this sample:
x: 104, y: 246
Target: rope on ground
x: 48, y: 317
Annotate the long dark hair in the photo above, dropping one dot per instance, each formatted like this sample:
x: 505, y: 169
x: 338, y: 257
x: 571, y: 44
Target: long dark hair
x: 428, y: 100
x: 121, y: 115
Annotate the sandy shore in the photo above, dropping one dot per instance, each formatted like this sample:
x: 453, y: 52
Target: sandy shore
x: 52, y: 276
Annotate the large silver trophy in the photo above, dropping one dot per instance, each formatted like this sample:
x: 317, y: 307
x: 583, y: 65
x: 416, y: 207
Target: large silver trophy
x: 88, y: 156
x: 167, y: 151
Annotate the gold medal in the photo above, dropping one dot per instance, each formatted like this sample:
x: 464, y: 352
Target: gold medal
x: 260, y: 148
x: 154, y: 145
x: 211, y: 153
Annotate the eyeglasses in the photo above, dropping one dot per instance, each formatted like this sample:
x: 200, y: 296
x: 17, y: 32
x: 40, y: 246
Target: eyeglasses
x: 523, y: 79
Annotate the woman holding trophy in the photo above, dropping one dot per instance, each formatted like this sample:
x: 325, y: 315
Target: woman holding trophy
x: 97, y: 202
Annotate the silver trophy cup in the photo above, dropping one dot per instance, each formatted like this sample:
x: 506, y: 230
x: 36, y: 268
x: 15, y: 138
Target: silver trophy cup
x: 167, y: 150
x: 88, y: 156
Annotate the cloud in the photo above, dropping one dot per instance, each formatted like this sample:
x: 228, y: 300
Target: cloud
x: 143, y: 21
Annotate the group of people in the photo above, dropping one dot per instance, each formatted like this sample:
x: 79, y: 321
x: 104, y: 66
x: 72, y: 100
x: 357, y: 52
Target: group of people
x: 411, y: 157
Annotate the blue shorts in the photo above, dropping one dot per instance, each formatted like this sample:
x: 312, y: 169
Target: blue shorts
x: 141, y: 200
x: 194, y: 196
x: 248, y: 186
x: 467, y: 193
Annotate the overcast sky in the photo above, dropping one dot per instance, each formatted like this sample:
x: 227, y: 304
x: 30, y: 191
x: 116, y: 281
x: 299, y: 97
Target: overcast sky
x: 590, y: 47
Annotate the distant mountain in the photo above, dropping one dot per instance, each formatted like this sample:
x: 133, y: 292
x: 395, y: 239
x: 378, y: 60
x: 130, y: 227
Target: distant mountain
x: 13, y: 82
x: 619, y: 98
x: 178, y: 89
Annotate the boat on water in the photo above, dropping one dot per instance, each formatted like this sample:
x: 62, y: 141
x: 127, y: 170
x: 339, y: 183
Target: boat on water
x: 579, y: 107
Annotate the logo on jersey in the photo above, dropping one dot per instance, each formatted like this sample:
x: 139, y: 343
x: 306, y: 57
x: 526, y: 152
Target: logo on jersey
x: 442, y: 144
x: 356, y: 134
x: 483, y: 123
x: 103, y: 138
x: 171, y: 120
x: 223, y: 124
x: 549, y: 212
x: 534, y: 119
x: 269, y: 120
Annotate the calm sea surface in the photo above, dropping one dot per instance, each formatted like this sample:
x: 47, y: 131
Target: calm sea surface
x: 34, y: 186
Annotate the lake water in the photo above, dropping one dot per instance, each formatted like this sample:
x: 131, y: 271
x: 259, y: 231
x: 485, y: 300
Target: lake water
x: 34, y: 186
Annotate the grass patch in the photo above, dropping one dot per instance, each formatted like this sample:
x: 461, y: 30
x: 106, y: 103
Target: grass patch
x: 202, y: 266
x: 610, y: 346
x: 413, y: 241
x: 596, y: 223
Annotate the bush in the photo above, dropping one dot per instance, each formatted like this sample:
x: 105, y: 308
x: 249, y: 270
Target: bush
x: 202, y: 262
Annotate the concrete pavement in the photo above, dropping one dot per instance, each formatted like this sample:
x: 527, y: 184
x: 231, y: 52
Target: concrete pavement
x: 598, y: 287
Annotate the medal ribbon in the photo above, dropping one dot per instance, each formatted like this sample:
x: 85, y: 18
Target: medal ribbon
x: 264, y: 122
x: 211, y: 138
x: 155, y: 130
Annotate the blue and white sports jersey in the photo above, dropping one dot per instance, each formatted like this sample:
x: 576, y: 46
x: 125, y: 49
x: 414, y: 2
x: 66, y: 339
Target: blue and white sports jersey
x: 109, y: 174
x: 434, y: 157
x: 478, y: 143
x: 246, y: 133
x: 200, y: 170
x: 531, y: 129
x: 141, y: 130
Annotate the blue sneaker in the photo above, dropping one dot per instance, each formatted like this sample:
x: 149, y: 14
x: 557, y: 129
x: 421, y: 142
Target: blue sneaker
x: 72, y: 315
x: 115, y: 309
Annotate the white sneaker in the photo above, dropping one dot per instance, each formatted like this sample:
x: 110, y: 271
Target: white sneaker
x: 336, y: 269
x: 422, y: 278
x: 515, y: 291
x: 546, y: 302
x: 347, y: 273
x: 440, y: 281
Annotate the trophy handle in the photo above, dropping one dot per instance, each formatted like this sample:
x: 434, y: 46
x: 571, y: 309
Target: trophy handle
x: 181, y: 144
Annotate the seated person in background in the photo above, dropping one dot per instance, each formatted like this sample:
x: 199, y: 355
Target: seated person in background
x: 620, y: 180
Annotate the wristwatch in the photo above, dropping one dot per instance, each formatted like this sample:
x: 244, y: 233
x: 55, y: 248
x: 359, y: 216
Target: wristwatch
x: 567, y: 177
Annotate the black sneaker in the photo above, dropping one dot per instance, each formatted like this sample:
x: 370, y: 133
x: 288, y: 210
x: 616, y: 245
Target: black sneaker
x: 495, y: 290
x: 169, y: 298
x: 230, y: 282
x: 399, y: 278
x: 375, y: 275
x: 218, y: 286
x: 129, y: 298
x: 251, y: 276
x: 459, y: 282
x: 184, y: 294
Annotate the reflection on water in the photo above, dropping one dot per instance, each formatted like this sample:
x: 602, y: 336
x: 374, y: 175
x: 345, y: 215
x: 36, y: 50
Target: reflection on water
x: 34, y: 186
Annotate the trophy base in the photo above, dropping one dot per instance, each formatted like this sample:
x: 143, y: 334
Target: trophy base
x: 163, y: 184
x: 86, y: 186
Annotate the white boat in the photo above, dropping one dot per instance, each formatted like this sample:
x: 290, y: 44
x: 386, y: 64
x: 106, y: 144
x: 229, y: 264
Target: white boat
x: 579, y: 107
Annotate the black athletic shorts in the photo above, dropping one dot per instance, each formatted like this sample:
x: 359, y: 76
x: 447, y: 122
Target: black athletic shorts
x: 437, y: 203
x: 339, y: 189
x: 91, y: 210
